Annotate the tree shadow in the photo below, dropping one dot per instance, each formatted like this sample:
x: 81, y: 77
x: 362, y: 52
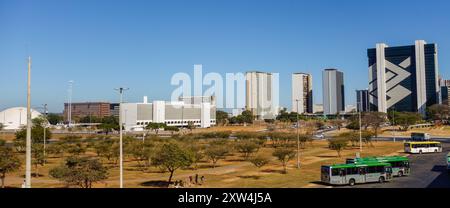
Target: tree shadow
x: 156, y: 184
x: 255, y: 177
x: 272, y: 171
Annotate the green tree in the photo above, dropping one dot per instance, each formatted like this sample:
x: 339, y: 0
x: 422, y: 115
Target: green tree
x: 82, y: 172
x: 54, y: 119
x: 171, y: 157
x: 259, y: 161
x: 284, y: 155
x: 221, y: 117
x: 406, y: 119
x: 375, y: 120
x: 215, y: 152
x: 247, y: 147
x: 38, y: 157
x: 438, y: 112
x: 337, y: 144
x: 156, y: 126
x: 37, y: 131
x: 9, y: 162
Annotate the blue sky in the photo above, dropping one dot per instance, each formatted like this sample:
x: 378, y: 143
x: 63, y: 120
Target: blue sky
x: 103, y: 44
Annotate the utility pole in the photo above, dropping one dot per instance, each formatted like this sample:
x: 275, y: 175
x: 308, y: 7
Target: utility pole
x: 28, y: 139
x: 70, y: 103
x: 45, y: 128
x: 360, y: 133
x: 121, y: 89
x: 298, y: 138
x: 393, y: 123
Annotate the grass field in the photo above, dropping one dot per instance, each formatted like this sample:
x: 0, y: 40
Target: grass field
x: 233, y: 171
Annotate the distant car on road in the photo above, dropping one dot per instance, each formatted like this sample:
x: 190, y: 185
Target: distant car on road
x: 319, y: 136
x: 420, y: 137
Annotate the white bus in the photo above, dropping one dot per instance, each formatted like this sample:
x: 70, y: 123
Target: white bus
x: 423, y: 147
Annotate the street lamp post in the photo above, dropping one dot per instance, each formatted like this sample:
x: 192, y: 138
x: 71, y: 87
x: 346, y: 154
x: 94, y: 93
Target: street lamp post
x: 393, y: 124
x: 298, y: 138
x: 121, y: 89
x: 28, y: 139
x: 360, y: 131
x: 45, y: 125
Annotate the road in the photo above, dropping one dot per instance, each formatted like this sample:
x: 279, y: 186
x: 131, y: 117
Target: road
x: 427, y: 171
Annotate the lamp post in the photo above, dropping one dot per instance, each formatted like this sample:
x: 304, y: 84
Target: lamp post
x: 393, y: 123
x: 121, y: 89
x: 28, y: 139
x: 298, y: 138
x: 45, y: 125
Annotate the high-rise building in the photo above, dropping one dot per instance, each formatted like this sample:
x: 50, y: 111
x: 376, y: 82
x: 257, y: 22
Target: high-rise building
x: 445, y: 91
x: 302, y: 97
x: 362, y: 100
x: 333, y: 91
x: 259, y: 95
x: 403, y: 78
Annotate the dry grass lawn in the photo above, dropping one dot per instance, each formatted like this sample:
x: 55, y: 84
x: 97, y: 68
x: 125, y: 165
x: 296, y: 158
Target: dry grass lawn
x: 231, y: 172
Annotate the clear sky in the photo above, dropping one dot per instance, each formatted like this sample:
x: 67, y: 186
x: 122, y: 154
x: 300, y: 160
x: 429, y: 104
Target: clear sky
x: 103, y: 44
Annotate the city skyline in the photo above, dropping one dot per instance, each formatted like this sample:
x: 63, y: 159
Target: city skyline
x: 127, y: 44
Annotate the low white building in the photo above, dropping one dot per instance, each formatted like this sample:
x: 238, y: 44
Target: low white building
x: 173, y: 113
x: 15, y: 118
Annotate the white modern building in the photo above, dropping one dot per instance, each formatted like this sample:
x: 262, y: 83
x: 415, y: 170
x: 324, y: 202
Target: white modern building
x: 302, y: 97
x: 199, y: 111
x: 16, y: 118
x: 333, y: 92
x: 260, y: 98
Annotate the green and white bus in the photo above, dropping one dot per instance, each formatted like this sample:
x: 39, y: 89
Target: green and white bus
x: 351, y: 174
x: 400, y: 164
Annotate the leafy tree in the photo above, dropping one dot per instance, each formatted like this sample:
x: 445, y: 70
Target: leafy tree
x: 284, y: 155
x: 38, y: 157
x: 215, y: 152
x: 56, y: 149
x: 171, y: 157
x: 438, y: 112
x: 247, y: 147
x: 374, y: 119
x: 9, y: 162
x: 171, y: 129
x: 337, y: 144
x: 109, y: 124
x: 367, y: 137
x: 82, y: 172
x: 190, y: 125
x: 247, y: 117
x: 197, y: 153
x: 37, y: 131
x: 142, y: 152
x: 108, y: 149
x: 156, y: 126
x: 75, y: 149
x: 259, y: 161
x: 54, y: 119
x: 406, y: 119
x: 339, y: 123
x: 221, y: 117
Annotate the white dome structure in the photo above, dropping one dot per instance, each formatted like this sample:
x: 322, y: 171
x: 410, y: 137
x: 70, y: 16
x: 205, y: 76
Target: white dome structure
x: 15, y: 118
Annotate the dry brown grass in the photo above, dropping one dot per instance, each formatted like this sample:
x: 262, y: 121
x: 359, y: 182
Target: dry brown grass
x: 231, y: 172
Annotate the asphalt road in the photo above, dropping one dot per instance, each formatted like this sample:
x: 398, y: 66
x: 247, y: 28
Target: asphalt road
x: 427, y: 171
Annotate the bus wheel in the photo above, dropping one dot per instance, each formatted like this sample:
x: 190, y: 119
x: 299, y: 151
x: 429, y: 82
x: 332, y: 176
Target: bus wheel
x: 420, y: 152
x: 381, y: 180
x: 400, y: 173
x: 351, y: 182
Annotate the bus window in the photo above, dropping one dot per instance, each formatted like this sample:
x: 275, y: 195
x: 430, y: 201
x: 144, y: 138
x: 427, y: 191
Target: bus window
x: 335, y: 171
x: 352, y: 171
x: 362, y: 171
x: 342, y: 172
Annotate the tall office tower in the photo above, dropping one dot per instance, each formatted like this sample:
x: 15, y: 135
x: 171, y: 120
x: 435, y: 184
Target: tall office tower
x: 445, y: 91
x: 333, y: 91
x: 259, y: 96
x: 362, y: 100
x: 302, y: 98
x: 403, y: 78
